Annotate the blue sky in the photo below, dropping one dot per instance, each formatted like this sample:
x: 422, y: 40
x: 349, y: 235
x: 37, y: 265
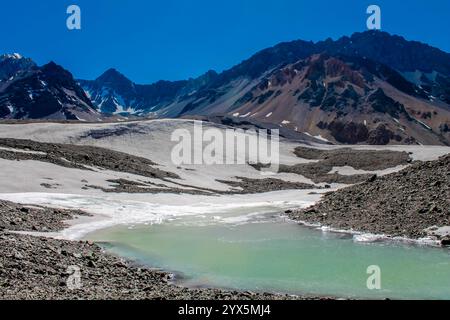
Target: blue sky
x: 149, y: 40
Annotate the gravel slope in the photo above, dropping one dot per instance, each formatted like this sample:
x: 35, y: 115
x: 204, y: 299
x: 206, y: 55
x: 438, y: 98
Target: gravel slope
x: 413, y: 203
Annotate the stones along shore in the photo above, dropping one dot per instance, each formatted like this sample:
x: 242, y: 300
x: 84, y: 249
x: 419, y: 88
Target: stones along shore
x: 44, y: 268
x: 412, y: 203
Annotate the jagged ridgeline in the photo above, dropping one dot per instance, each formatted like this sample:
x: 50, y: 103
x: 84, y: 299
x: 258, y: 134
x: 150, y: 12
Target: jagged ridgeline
x: 351, y: 90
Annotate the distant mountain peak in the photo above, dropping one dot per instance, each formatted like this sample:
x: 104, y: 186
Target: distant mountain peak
x: 11, y: 56
x: 12, y: 64
x: 53, y: 67
x: 43, y: 92
x: 113, y: 75
x: 211, y: 73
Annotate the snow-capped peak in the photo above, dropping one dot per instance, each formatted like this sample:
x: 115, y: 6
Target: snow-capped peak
x: 12, y: 56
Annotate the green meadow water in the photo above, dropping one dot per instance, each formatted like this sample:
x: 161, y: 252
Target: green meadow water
x: 267, y: 253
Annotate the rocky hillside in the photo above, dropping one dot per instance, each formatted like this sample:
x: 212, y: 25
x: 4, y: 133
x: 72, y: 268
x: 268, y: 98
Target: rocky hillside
x: 351, y: 90
x: 346, y: 100
x: 411, y: 65
x: 413, y: 203
x: 48, y: 92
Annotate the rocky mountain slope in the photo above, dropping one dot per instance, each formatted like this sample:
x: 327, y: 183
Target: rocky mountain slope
x: 346, y: 100
x: 372, y: 88
x: 352, y: 90
x: 412, y: 203
x: 50, y: 92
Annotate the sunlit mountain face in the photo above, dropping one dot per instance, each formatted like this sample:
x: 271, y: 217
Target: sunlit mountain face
x: 372, y: 88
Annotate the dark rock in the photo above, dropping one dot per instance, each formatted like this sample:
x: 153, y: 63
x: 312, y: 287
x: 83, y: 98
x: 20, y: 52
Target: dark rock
x: 445, y: 241
x: 381, y: 136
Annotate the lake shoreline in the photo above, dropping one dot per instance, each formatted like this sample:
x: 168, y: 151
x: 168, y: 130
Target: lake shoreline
x: 413, y: 203
x: 37, y: 267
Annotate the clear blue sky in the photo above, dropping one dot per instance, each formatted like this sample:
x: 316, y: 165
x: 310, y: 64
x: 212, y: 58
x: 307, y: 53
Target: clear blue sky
x: 148, y: 40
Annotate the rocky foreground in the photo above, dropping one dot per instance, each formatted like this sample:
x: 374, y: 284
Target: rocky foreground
x: 412, y: 203
x: 43, y: 268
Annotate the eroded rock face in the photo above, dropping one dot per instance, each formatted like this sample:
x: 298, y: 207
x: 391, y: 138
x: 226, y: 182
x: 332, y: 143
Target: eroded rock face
x: 445, y: 127
x: 349, y: 132
x: 380, y: 102
x: 382, y: 136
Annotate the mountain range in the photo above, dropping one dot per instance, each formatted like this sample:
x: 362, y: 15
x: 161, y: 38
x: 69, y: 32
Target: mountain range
x: 48, y: 92
x: 371, y: 88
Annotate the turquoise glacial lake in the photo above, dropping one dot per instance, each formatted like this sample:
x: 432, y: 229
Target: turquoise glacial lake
x: 266, y: 252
